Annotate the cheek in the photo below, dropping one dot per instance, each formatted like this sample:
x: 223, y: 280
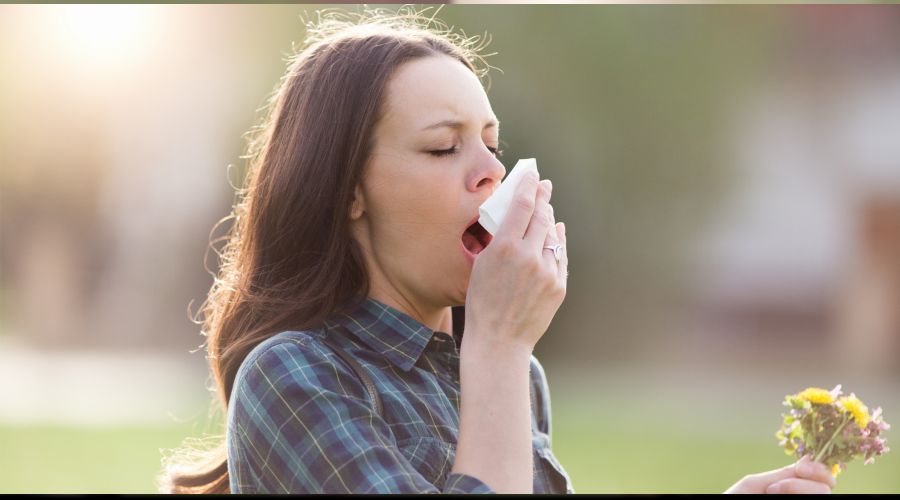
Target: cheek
x: 416, y: 216
x: 415, y: 203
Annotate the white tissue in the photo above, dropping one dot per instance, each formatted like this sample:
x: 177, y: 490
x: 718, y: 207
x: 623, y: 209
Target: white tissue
x: 493, y: 210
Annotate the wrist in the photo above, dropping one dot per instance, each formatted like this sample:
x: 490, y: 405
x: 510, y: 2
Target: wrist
x: 476, y: 343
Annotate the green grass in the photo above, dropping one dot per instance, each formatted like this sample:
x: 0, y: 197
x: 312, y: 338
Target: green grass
x: 54, y: 459
x: 622, y: 449
x: 635, y: 448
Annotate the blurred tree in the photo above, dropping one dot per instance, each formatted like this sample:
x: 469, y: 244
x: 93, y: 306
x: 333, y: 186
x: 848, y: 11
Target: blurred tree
x: 624, y: 107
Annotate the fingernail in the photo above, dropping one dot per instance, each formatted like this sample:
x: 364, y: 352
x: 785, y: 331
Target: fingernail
x: 774, y: 488
x: 549, y: 185
x: 563, y: 227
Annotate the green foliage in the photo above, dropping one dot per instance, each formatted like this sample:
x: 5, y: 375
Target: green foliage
x: 627, y: 109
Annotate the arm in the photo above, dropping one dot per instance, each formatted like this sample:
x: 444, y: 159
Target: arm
x: 515, y: 289
x: 495, y: 416
x: 300, y: 422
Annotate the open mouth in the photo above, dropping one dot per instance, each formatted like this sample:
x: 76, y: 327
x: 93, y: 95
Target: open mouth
x: 476, y: 238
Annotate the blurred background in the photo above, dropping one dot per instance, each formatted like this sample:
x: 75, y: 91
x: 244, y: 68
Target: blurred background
x: 729, y: 177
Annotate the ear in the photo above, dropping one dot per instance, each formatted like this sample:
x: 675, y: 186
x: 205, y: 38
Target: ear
x: 358, y: 207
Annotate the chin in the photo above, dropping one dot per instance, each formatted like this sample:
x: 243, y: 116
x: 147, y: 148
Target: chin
x: 451, y: 298
x: 457, y: 296
x: 457, y: 278
x: 460, y: 296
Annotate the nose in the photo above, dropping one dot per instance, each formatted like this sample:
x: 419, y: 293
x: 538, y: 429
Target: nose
x: 487, y: 171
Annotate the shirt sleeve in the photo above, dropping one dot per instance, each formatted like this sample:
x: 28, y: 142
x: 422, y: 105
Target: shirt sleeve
x: 300, y: 421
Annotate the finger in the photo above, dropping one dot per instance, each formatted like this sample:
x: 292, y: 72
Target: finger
x: 563, y: 270
x: 551, y: 239
x: 798, y: 486
x: 541, y: 219
x: 761, y: 480
x: 521, y: 209
x: 815, y: 471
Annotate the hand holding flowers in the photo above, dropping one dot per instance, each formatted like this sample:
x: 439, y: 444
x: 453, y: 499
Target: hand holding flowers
x: 825, y: 431
x: 832, y: 429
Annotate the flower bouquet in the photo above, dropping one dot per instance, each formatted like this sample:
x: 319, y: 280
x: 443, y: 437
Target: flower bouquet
x: 831, y: 429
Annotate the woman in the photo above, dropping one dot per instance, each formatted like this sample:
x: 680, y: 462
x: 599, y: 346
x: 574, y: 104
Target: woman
x: 335, y: 327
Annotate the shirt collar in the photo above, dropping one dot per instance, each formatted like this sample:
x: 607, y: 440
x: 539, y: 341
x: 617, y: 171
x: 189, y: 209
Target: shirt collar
x: 388, y: 331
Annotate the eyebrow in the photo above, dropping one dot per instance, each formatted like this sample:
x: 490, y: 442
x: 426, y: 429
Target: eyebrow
x: 456, y: 124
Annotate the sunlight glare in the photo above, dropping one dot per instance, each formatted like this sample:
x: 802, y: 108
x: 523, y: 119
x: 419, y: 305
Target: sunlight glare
x: 100, y: 36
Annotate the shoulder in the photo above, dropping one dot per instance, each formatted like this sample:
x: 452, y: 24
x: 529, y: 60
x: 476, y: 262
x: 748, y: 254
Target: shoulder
x: 282, y: 349
x: 298, y: 361
x: 294, y: 406
x: 295, y: 342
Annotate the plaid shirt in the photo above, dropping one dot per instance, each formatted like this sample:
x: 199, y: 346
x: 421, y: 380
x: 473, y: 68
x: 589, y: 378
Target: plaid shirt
x: 300, y: 420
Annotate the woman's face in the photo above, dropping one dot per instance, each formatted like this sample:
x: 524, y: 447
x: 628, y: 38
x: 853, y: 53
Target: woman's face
x: 433, y: 163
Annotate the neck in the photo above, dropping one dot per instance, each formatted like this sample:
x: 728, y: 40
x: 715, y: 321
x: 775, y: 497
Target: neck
x: 435, y: 318
x: 386, y: 291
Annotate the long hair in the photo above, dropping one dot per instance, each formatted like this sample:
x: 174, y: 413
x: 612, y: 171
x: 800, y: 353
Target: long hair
x: 289, y: 260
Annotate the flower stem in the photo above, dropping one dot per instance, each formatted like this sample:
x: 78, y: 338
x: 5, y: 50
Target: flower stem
x: 828, y: 444
x: 815, y: 431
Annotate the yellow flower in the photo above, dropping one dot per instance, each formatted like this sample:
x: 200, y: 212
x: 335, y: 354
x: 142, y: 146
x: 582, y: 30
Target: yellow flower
x: 835, y: 470
x: 857, y: 409
x: 816, y: 395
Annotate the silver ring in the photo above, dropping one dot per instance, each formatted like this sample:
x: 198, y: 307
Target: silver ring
x: 556, y: 248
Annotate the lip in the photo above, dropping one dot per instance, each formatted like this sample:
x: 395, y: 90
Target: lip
x: 470, y: 257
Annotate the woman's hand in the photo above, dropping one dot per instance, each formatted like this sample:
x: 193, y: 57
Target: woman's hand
x: 804, y: 476
x: 515, y: 288
x: 516, y: 285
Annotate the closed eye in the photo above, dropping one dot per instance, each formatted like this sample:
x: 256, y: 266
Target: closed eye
x: 446, y: 152
x: 443, y: 152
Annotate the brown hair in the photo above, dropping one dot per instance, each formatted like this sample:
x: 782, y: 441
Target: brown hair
x: 289, y: 260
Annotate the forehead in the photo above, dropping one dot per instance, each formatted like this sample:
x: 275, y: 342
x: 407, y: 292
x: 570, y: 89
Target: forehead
x: 435, y: 88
